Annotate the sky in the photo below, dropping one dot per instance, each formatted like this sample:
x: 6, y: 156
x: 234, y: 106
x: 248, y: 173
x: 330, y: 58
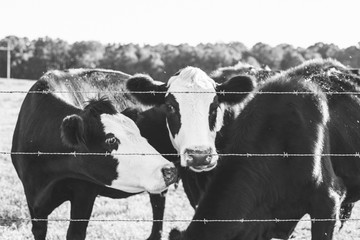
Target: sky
x: 300, y: 23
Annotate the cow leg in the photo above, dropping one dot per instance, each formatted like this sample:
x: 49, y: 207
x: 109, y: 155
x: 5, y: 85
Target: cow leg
x: 39, y: 228
x: 158, y: 208
x: 82, y: 203
x: 324, y: 207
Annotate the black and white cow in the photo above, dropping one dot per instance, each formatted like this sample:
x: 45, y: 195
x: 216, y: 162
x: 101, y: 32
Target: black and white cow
x: 190, y: 101
x: 287, y: 187
x: 49, y: 123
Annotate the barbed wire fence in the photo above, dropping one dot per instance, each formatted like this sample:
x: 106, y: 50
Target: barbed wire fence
x: 183, y: 92
x: 205, y: 221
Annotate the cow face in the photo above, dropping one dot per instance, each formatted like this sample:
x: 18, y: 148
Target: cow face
x: 119, y: 137
x: 191, y: 102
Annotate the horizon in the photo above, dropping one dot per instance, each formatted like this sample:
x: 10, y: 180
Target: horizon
x: 190, y: 44
x: 298, y: 23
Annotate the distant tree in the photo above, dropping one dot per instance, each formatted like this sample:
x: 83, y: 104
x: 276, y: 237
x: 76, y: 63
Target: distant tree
x: 266, y: 56
x: 110, y: 57
x: 178, y: 57
x: 149, y: 61
x: 309, y: 53
x: 291, y: 59
x: 124, y: 57
x: 86, y: 54
x: 22, y: 51
x: 133, y: 59
x: 325, y: 50
x: 48, y: 54
x: 218, y: 55
x: 350, y: 56
x: 30, y: 59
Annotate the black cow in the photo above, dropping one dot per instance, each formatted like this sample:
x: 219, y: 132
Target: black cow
x: 287, y: 187
x: 53, y: 123
x: 222, y: 74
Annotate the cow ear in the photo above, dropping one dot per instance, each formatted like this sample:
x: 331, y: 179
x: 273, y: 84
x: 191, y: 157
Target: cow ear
x: 72, y: 131
x: 240, y: 84
x: 147, y: 88
x: 132, y: 113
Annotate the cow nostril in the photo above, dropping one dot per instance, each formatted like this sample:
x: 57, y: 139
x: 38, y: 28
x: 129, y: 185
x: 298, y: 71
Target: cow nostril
x: 169, y: 174
x: 188, y: 158
x: 208, y: 159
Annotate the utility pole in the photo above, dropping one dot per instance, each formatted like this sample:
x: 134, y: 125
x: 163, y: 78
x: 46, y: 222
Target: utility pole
x: 8, y: 60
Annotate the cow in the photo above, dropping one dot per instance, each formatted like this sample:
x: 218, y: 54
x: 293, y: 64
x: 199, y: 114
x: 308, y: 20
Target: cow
x: 306, y: 179
x: 77, y: 86
x: 82, y: 152
x: 191, y: 107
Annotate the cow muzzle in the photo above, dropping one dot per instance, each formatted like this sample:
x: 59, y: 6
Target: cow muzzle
x: 200, y: 159
x: 169, y: 174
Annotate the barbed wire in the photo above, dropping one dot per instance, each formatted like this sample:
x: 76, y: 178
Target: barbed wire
x: 284, y: 154
x: 181, y: 92
x: 178, y: 220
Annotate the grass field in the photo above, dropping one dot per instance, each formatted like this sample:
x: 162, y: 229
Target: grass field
x: 13, y: 204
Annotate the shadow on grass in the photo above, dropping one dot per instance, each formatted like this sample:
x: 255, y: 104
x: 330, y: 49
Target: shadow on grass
x: 11, y: 221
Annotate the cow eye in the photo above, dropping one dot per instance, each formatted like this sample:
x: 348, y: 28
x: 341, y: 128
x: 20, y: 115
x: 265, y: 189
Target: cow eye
x: 170, y: 108
x: 112, y: 142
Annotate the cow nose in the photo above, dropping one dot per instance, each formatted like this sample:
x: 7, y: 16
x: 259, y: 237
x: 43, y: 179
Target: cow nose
x: 198, y: 157
x: 170, y: 174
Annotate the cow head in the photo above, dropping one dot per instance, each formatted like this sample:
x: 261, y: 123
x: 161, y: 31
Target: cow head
x: 191, y: 102
x: 100, y: 129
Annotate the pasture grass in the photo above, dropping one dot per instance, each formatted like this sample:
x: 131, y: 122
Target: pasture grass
x: 13, y: 203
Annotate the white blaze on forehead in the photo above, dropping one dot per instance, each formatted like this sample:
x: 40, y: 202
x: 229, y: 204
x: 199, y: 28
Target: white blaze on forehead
x: 193, y: 108
x: 136, y: 172
x: 191, y: 78
x: 122, y: 127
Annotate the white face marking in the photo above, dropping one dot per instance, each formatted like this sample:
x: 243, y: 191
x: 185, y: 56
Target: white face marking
x: 194, y: 132
x: 135, y: 173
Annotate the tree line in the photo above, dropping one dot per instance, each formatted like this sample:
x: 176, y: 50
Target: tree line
x: 32, y: 58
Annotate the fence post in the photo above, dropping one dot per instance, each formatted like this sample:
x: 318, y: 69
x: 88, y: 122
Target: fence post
x: 8, y: 59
